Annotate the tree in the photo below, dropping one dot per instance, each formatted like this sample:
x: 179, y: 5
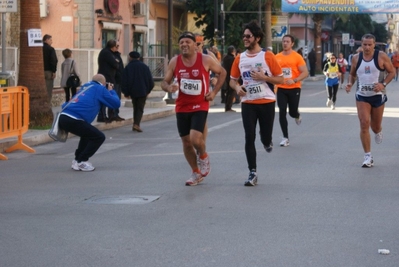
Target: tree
x: 238, y: 12
x: 360, y: 24
x: 31, y: 73
x: 318, y: 20
x: 270, y: 5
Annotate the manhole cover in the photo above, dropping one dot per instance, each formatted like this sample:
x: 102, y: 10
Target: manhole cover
x: 121, y: 199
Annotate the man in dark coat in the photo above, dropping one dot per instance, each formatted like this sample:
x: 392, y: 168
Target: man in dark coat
x: 312, y: 62
x: 108, y: 64
x: 113, y: 114
x: 50, y: 64
x: 137, y: 83
x: 230, y: 92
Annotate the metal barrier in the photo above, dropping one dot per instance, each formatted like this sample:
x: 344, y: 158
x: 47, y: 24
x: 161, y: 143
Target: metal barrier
x: 14, y: 116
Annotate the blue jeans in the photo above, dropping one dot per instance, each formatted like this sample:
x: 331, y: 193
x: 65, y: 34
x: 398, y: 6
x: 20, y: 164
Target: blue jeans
x: 90, y: 137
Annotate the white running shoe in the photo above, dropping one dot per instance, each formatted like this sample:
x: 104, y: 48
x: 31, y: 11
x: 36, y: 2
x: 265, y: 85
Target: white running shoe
x: 368, y: 161
x: 205, y: 166
x: 75, y: 165
x: 328, y: 103
x: 332, y: 106
x: 195, y: 179
x: 378, y: 137
x: 85, y: 166
x: 284, y: 142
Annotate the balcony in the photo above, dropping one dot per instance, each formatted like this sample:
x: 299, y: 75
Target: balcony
x: 176, y: 3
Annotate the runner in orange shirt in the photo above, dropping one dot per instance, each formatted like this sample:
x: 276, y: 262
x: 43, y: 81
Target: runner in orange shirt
x: 395, y: 63
x: 288, y: 93
x: 260, y: 72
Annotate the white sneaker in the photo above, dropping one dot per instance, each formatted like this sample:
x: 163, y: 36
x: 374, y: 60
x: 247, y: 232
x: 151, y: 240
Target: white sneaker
x: 75, y: 165
x: 368, y: 161
x: 284, y: 142
x: 195, y: 179
x: 85, y: 166
x: 332, y: 106
x: 205, y: 166
x: 378, y: 137
x: 328, y: 103
x: 298, y: 120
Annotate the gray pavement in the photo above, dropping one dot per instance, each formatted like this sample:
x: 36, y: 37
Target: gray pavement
x: 314, y: 205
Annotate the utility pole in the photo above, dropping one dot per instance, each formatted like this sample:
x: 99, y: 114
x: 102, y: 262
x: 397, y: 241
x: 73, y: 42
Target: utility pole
x: 216, y: 21
x: 170, y: 29
x: 222, y: 25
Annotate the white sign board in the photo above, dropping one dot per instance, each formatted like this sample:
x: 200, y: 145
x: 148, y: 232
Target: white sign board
x: 8, y: 6
x: 352, y: 42
x: 35, y: 37
x: 345, y: 38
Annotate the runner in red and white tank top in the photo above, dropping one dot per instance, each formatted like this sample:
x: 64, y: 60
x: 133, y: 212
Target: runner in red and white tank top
x: 191, y: 70
x: 193, y: 86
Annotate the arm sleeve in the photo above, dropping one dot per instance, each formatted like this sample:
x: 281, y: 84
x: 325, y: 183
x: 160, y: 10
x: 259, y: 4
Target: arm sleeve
x: 53, y: 61
x: 124, y: 83
x: 109, y: 98
x: 235, y: 70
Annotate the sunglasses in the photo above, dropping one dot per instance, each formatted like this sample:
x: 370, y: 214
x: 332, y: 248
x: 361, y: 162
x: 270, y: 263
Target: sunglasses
x: 247, y: 36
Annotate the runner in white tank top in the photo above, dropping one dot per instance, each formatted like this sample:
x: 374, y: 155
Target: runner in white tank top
x: 368, y: 67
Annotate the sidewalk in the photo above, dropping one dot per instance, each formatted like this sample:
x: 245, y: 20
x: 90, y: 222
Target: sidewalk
x: 155, y: 108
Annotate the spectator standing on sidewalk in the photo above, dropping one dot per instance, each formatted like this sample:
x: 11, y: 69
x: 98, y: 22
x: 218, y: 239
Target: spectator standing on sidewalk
x: 137, y: 83
x: 230, y: 92
x: 50, y: 64
x: 373, y: 71
x: 189, y: 73
x: 260, y: 71
x: 312, y: 62
x: 113, y: 114
x: 108, y: 64
x: 77, y: 117
x: 289, y: 92
x: 68, y: 67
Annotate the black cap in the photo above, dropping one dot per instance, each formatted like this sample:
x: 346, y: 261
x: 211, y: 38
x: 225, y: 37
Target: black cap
x: 189, y: 35
x: 134, y: 54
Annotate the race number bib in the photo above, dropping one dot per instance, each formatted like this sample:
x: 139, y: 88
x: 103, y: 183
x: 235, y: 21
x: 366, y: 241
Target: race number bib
x: 191, y: 87
x: 333, y: 75
x: 256, y: 91
x: 367, y: 89
x: 287, y: 73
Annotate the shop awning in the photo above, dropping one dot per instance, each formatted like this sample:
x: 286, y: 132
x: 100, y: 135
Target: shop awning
x: 140, y: 28
x: 111, y: 25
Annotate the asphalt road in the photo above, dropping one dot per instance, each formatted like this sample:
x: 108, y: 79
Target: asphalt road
x: 313, y: 206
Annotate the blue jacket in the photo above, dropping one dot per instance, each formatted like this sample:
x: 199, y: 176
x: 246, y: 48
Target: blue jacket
x: 137, y: 79
x: 86, y: 105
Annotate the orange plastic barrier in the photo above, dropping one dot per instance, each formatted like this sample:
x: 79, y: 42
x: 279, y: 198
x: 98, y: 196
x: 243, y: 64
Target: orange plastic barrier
x: 14, y: 116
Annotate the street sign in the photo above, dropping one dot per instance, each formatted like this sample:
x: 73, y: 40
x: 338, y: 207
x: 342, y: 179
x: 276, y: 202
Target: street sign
x: 345, y: 38
x: 8, y: 6
x: 35, y: 37
x: 352, y: 42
